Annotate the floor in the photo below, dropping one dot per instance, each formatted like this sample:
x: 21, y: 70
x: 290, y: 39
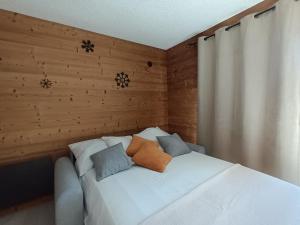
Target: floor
x: 42, y: 214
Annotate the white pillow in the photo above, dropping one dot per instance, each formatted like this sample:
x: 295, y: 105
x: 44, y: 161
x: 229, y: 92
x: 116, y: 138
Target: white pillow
x: 151, y: 133
x: 82, y: 152
x: 79, y: 147
x: 113, y: 140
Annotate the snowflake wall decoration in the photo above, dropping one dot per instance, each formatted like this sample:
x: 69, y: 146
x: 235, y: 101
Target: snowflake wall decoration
x: 46, y: 83
x: 122, y: 79
x: 87, y: 45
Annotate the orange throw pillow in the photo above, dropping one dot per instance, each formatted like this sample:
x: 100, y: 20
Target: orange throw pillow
x: 136, y: 144
x: 152, y: 157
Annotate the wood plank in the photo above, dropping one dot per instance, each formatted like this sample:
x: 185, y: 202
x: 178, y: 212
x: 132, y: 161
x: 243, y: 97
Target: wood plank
x: 84, y: 101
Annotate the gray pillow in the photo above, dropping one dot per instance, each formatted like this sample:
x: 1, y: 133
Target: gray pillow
x: 173, y: 145
x: 110, y: 161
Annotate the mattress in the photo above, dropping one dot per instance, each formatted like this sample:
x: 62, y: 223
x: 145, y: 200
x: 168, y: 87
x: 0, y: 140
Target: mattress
x: 129, y: 197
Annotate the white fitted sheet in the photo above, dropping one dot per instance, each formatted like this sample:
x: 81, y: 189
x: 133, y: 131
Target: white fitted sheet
x: 129, y: 197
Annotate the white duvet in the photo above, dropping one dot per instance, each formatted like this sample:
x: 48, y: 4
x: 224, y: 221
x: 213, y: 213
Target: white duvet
x: 194, y: 190
x: 129, y: 197
x: 237, y: 196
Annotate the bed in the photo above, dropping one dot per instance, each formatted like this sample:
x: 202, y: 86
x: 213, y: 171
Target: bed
x: 138, y: 193
x: 195, y: 189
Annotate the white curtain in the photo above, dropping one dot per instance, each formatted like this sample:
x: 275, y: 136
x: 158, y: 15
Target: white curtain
x: 249, y: 92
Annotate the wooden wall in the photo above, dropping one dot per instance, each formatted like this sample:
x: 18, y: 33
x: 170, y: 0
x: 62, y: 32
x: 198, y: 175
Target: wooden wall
x: 182, y: 90
x: 182, y: 78
x: 84, y: 100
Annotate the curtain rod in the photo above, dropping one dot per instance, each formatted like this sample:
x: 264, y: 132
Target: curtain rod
x: 265, y: 11
x: 206, y: 38
x: 239, y: 23
x: 232, y: 26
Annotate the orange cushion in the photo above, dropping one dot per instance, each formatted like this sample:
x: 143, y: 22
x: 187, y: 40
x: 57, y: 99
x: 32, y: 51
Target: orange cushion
x: 136, y: 144
x: 152, y: 157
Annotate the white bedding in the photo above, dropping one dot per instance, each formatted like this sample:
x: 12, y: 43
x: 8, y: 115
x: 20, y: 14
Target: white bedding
x: 129, y: 197
x: 237, y: 196
x: 194, y: 190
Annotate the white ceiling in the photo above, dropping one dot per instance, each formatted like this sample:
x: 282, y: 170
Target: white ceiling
x: 158, y: 23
